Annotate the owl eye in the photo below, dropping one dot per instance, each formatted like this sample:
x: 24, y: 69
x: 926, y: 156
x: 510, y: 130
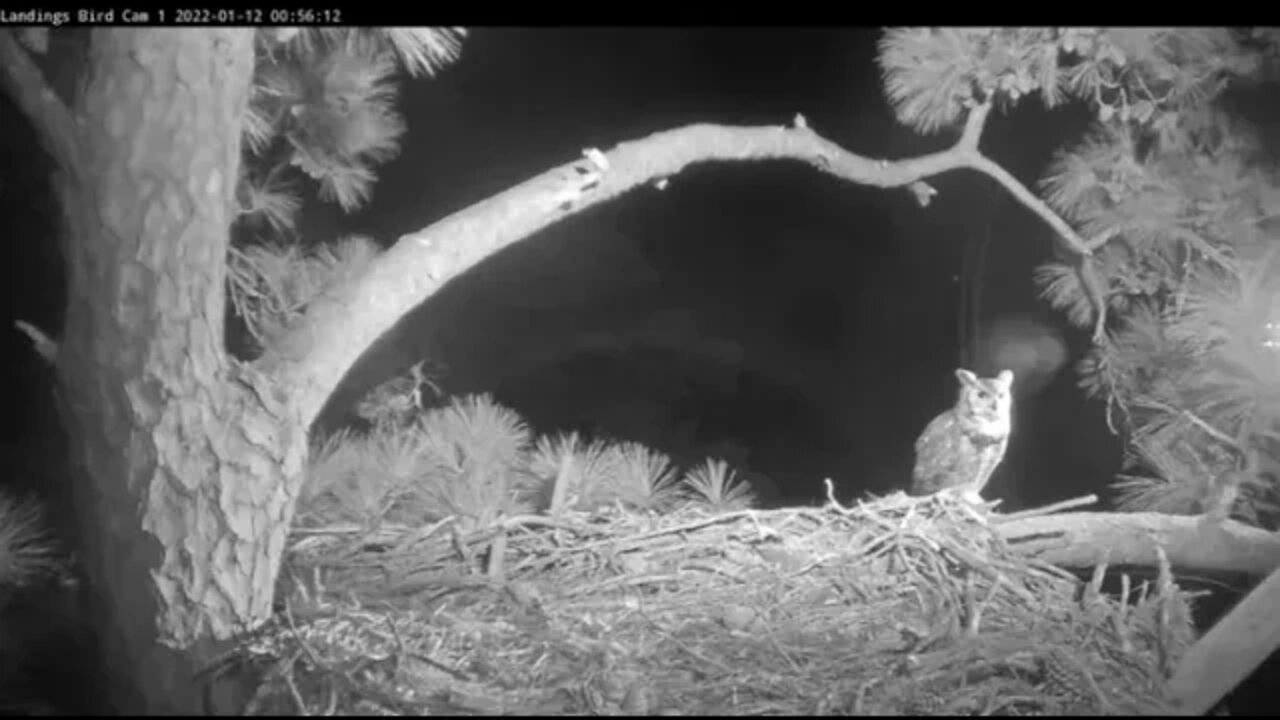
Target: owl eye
x: 984, y: 395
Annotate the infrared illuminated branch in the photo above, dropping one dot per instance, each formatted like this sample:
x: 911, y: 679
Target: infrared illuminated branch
x: 975, y: 160
x: 316, y: 353
x: 967, y: 155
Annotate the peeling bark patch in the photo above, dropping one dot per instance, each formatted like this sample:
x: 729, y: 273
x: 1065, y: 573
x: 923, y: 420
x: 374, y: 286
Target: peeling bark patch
x: 165, y: 509
x: 228, y: 581
x: 213, y: 187
x: 133, y: 306
x: 117, y: 121
x: 205, y: 354
x: 263, y: 431
x: 157, y: 221
x: 246, y: 558
x: 240, y: 514
x: 191, y: 69
x: 146, y: 398
x: 141, y: 454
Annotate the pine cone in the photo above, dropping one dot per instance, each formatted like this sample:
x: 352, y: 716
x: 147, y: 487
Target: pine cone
x: 1070, y: 684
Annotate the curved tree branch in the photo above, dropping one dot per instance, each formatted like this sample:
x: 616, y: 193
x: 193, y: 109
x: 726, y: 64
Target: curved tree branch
x: 993, y: 170
x: 337, y: 328
x: 52, y: 120
x: 313, y: 357
x: 1082, y: 248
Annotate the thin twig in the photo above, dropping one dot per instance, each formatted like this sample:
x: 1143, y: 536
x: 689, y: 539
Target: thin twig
x: 45, y: 346
x: 1093, y: 591
x: 1196, y: 420
x: 560, y: 490
x: 413, y: 538
x: 831, y: 497
x: 1167, y: 590
x: 973, y: 621
x: 293, y: 686
x: 497, y: 557
x: 1047, y: 509
x: 1083, y: 249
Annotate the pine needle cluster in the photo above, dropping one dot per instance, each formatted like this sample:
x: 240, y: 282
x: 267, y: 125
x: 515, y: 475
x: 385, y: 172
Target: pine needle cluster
x: 322, y: 115
x: 474, y: 460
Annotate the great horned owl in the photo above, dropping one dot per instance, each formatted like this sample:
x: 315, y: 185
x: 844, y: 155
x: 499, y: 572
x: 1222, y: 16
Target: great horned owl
x: 961, y: 448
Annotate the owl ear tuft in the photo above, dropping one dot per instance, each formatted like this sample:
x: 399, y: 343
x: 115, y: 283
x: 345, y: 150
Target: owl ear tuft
x: 966, y: 377
x: 1005, y: 378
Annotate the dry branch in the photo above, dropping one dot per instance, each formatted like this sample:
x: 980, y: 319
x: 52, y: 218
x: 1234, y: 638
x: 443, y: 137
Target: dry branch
x: 1083, y: 501
x: 1081, y: 540
x: 338, y: 328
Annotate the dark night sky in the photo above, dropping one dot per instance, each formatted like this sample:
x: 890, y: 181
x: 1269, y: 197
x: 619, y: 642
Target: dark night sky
x: 813, y: 321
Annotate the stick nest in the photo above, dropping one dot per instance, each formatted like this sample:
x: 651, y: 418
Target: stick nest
x: 898, y: 606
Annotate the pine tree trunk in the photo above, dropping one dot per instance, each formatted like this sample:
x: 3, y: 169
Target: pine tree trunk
x: 185, y: 473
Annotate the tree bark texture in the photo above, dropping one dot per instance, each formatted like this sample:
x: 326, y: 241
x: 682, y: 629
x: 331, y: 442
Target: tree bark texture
x: 186, y: 472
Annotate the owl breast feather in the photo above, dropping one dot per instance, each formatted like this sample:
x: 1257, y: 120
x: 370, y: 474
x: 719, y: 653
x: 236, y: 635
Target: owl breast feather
x: 948, y: 454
